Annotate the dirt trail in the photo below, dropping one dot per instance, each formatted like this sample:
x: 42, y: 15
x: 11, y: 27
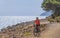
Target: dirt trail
x: 53, y: 31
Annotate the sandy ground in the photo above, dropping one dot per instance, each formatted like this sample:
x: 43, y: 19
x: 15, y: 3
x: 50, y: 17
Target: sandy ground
x: 53, y: 31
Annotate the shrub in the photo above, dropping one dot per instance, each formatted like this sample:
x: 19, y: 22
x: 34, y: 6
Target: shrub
x: 57, y: 19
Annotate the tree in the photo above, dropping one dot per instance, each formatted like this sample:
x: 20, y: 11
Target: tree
x: 53, y: 5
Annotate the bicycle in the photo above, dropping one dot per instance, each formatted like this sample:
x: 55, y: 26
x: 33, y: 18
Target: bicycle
x: 36, y: 31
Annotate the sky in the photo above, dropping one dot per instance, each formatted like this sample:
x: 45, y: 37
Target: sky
x: 20, y: 7
x: 16, y: 11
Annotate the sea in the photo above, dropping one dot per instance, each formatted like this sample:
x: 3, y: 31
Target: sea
x: 12, y: 20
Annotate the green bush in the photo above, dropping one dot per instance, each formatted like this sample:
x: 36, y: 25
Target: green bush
x: 51, y: 20
x: 57, y: 19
